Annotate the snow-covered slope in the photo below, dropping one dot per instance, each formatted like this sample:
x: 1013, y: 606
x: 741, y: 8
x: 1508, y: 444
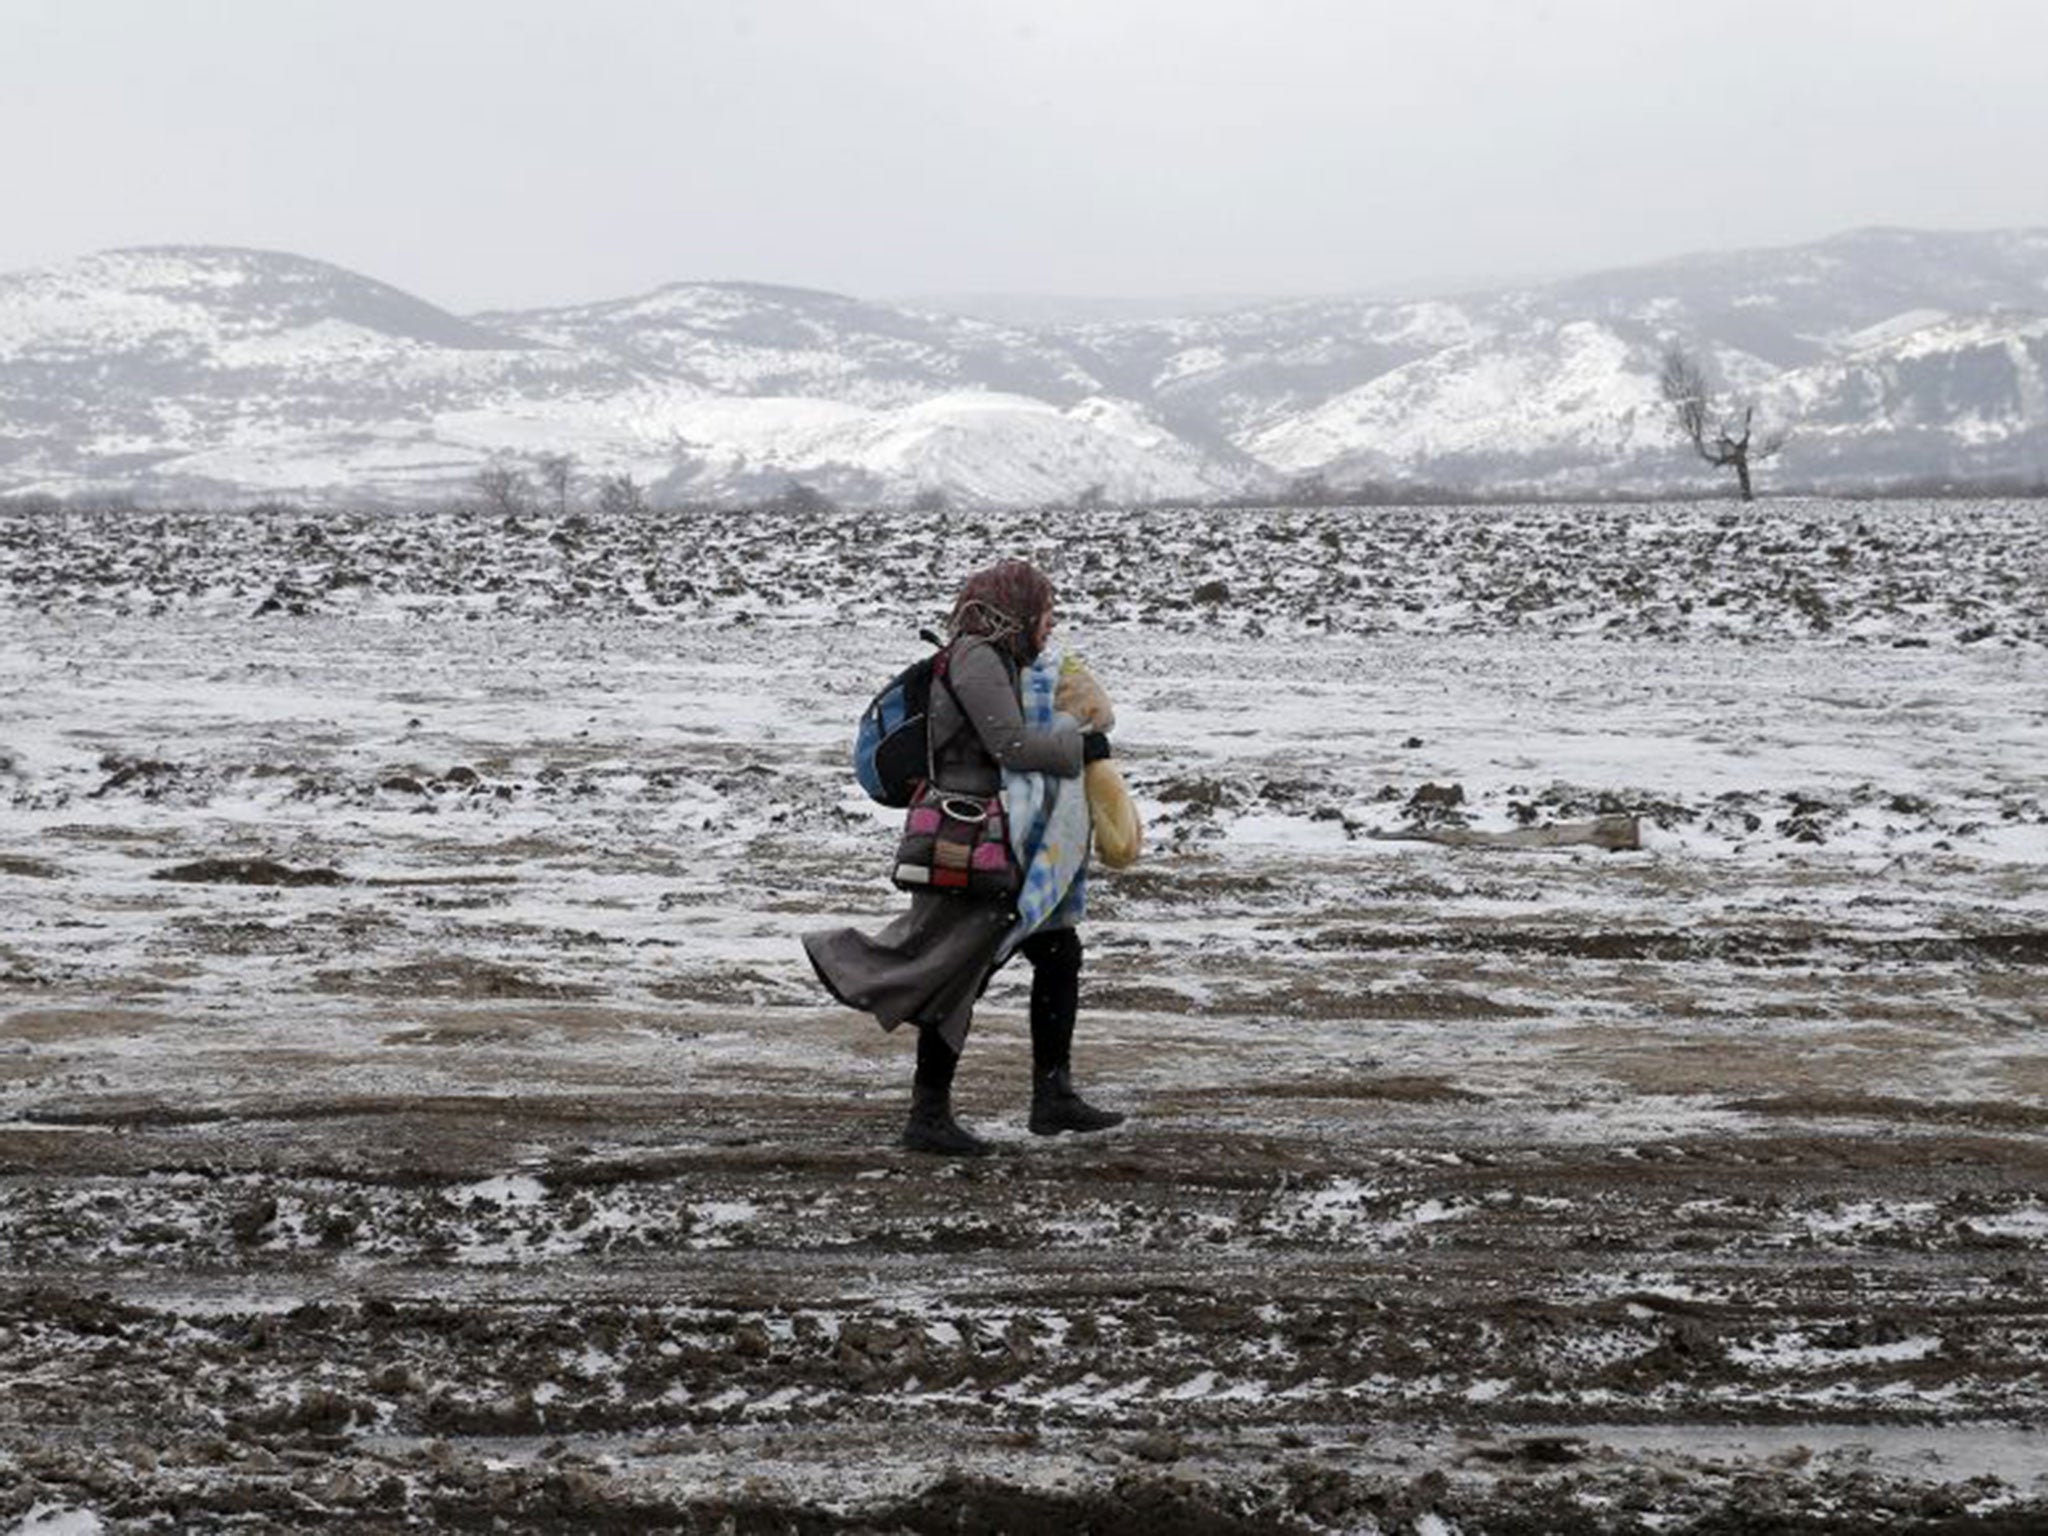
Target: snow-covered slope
x: 178, y: 369
x: 1546, y: 395
x: 751, y: 339
x: 1960, y: 397
x: 203, y: 373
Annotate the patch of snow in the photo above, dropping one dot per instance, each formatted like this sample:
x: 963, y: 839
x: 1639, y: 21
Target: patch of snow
x: 58, y: 1520
x: 511, y: 1190
x: 1885, y: 332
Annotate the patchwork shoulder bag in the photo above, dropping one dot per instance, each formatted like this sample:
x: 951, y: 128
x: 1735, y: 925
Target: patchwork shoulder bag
x: 952, y: 842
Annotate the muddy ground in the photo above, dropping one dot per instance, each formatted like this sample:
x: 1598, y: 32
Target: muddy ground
x: 414, y: 1112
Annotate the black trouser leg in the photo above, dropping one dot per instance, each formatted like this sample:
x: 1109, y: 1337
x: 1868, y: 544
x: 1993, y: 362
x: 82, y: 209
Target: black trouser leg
x: 936, y: 1062
x: 1055, y: 957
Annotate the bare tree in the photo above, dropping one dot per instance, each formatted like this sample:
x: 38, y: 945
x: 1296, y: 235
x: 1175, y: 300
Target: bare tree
x: 505, y: 490
x: 1720, y: 437
x: 620, y: 495
x: 556, y: 470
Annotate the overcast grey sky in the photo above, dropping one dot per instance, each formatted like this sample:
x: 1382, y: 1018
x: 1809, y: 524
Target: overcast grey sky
x: 517, y: 152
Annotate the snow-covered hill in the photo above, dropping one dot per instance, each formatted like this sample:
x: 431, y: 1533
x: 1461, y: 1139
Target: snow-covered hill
x: 201, y: 371
x: 205, y: 373
x: 751, y: 339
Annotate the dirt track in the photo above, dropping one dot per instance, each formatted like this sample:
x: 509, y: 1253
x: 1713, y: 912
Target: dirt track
x: 633, y: 1267
x: 519, y: 1177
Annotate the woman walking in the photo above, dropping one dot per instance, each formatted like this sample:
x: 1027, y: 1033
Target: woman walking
x: 930, y: 965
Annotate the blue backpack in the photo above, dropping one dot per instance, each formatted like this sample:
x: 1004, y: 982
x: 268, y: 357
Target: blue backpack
x: 892, y: 751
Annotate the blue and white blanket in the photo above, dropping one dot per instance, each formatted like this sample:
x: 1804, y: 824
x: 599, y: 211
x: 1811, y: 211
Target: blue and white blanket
x: 1048, y: 818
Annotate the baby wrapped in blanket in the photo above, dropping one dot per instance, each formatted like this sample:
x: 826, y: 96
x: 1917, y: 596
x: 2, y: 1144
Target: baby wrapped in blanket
x: 1119, y: 835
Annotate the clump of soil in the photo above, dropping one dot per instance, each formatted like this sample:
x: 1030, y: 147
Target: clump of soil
x: 1438, y: 805
x: 248, y: 872
x: 449, y: 977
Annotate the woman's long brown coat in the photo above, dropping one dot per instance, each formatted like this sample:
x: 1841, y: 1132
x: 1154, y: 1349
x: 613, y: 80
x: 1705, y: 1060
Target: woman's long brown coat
x: 930, y: 964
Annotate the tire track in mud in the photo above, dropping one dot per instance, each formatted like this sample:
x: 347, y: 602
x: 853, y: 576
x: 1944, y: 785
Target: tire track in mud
x: 1743, y: 947
x: 331, y: 1304
x: 1194, y: 1305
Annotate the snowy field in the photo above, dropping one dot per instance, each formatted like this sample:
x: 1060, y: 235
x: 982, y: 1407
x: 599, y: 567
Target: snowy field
x: 414, y: 1106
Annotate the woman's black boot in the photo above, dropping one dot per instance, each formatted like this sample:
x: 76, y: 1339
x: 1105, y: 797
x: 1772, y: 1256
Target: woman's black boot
x: 1055, y: 958
x: 932, y: 1127
x: 1056, y: 1107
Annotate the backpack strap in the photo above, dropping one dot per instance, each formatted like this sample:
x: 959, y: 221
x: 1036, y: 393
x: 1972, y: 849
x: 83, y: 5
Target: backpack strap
x: 942, y: 669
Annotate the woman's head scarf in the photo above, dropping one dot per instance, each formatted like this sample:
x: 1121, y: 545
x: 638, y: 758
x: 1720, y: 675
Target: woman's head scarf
x: 1004, y: 603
